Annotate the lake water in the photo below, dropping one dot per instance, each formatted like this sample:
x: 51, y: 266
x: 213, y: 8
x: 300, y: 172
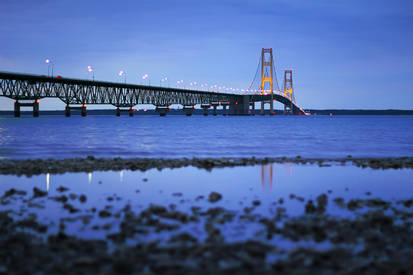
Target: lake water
x: 198, y: 136
x: 189, y: 187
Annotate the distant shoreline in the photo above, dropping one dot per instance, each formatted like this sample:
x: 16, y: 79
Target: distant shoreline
x: 391, y: 112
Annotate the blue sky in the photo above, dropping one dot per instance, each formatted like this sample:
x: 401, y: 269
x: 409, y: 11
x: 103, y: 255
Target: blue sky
x: 345, y: 54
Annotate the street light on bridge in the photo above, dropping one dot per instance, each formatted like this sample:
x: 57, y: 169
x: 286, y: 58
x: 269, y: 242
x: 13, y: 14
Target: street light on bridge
x: 90, y: 70
x: 163, y: 80
x: 146, y: 76
x: 49, y: 65
x: 122, y: 72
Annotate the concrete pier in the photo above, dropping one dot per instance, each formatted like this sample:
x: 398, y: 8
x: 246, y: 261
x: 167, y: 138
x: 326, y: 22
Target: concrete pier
x: 205, y: 107
x: 253, y: 108
x: 18, y: 105
x: 16, y: 108
x: 215, y: 105
x: 224, y: 110
x: 188, y: 110
x: 162, y: 110
x: 83, y: 111
x: 128, y: 110
x: 68, y: 109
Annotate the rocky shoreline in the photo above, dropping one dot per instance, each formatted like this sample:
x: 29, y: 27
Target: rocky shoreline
x: 378, y: 240
x: 55, y: 166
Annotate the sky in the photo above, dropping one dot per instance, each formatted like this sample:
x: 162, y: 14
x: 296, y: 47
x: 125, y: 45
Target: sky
x: 344, y: 54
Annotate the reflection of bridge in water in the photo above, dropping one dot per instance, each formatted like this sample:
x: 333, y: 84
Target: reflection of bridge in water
x: 268, y: 174
x: 27, y: 91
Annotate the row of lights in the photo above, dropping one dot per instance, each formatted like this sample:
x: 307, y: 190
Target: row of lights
x: 179, y: 83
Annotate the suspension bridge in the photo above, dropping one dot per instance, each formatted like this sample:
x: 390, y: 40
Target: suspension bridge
x: 27, y: 91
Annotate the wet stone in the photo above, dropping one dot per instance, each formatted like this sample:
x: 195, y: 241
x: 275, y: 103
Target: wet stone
x: 82, y: 198
x: 37, y: 193
x: 310, y: 207
x: 62, y: 189
x: 214, y: 197
x: 104, y: 214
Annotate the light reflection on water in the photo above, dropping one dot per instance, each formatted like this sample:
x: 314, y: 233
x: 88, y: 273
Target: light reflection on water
x: 239, y: 186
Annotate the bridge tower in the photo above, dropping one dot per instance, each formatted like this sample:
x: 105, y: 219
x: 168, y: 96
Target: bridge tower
x: 267, y: 77
x: 288, y: 90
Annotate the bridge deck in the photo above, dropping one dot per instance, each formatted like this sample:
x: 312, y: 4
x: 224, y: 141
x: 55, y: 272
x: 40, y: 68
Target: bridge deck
x: 79, y: 91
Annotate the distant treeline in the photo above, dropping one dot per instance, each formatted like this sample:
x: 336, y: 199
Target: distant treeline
x: 200, y: 112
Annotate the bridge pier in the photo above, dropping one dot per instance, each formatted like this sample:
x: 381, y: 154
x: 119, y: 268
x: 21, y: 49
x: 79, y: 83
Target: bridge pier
x: 16, y: 108
x: 188, y: 110
x: 262, y: 108
x: 271, y: 107
x: 253, y: 108
x: 36, y: 108
x: 18, y: 105
x: 224, y: 110
x: 67, y: 111
x: 239, y: 105
x: 162, y: 110
x: 205, y: 107
x: 82, y: 109
x: 129, y: 110
x: 215, y: 105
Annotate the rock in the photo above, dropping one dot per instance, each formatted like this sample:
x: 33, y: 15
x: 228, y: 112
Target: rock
x: 310, y: 207
x: 38, y: 193
x: 61, y: 198
x: 82, y: 198
x: 12, y: 192
x: 321, y: 203
x: 214, y: 197
x: 70, y: 208
x: 104, y: 214
x: 62, y: 189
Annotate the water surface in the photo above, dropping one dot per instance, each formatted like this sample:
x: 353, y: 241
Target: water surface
x: 198, y: 136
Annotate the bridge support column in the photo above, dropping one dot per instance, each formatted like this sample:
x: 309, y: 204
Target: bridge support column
x: 188, y: 110
x: 83, y: 110
x: 224, y: 110
x: 262, y: 108
x: 117, y: 111
x: 36, y: 108
x: 215, y: 110
x: 131, y: 111
x: 253, y: 108
x: 67, y: 111
x: 271, y: 107
x: 205, y: 107
x: 16, y: 108
x: 162, y: 110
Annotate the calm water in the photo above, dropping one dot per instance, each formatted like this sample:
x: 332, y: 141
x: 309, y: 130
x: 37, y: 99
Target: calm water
x: 182, y: 187
x: 198, y: 136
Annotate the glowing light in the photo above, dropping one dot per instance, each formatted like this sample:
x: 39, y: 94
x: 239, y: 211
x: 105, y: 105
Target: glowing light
x: 90, y: 177
x: 47, y: 181
x: 48, y: 61
x: 84, y: 105
x: 121, y: 73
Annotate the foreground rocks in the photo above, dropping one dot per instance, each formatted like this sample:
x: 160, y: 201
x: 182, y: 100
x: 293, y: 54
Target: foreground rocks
x: 377, y: 240
x: 55, y: 166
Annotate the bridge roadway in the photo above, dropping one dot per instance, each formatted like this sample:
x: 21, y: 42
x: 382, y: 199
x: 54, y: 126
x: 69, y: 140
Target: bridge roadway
x: 27, y: 90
